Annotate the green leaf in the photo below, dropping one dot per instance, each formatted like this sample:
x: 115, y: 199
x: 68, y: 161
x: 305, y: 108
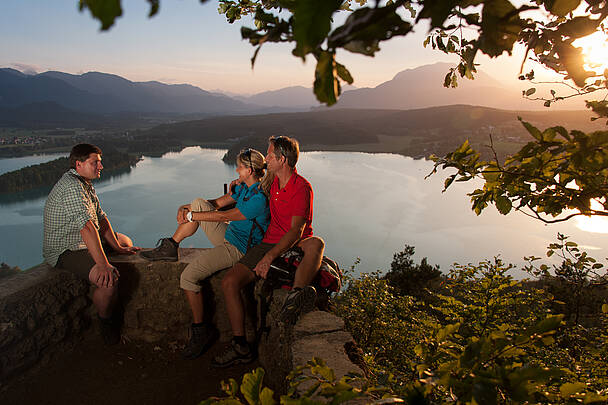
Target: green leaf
x: 266, y: 397
x: 366, y: 27
x: 568, y: 389
x: 326, y: 86
x: 252, y: 385
x: 343, y: 73
x: 106, y: 11
x: 443, y: 333
x: 561, y: 8
x: 311, y: 24
x: 503, y: 204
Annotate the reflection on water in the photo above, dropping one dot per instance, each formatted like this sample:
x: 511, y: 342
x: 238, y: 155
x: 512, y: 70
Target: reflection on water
x: 366, y: 206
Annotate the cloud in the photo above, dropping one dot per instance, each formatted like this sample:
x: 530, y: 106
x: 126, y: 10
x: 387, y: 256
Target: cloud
x: 26, y: 69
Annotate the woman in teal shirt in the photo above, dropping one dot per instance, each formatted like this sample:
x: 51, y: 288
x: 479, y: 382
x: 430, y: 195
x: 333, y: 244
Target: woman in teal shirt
x: 231, y: 232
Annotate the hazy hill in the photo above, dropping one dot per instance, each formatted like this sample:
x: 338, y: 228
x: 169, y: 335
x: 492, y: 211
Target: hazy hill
x: 17, y: 89
x: 293, y: 97
x: 418, y: 132
x: 423, y: 87
x: 106, y: 93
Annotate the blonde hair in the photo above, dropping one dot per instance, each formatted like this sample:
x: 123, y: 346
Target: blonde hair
x: 254, y: 160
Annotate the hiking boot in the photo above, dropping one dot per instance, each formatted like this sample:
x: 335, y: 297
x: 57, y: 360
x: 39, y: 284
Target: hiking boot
x: 201, y: 338
x: 297, y: 302
x: 109, y: 331
x: 165, y: 250
x: 233, y: 354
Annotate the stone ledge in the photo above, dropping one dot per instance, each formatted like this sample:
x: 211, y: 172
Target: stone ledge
x: 42, y: 311
x: 43, y: 308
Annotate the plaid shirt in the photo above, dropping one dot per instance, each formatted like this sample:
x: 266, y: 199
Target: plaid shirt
x: 70, y: 205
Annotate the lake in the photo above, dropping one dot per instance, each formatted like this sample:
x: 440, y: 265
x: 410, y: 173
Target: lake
x: 366, y: 205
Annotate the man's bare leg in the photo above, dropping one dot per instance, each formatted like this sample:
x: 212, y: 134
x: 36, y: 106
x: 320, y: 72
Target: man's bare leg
x: 232, y: 284
x: 313, y: 254
x: 104, y: 299
x: 195, y: 299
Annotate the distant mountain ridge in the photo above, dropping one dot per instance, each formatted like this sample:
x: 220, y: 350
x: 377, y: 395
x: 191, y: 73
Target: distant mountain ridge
x: 57, y: 98
x: 96, y: 92
x: 422, y: 87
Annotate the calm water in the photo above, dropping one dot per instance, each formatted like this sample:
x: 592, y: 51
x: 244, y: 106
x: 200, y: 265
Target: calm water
x: 8, y: 165
x: 366, y: 206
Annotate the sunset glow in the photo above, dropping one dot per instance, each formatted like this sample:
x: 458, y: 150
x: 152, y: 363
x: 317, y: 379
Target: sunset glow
x: 595, y: 49
x: 594, y: 224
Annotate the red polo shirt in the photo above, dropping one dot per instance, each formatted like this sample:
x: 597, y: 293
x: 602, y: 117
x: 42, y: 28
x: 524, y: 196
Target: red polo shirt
x: 295, y: 199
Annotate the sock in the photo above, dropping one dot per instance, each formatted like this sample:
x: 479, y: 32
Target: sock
x: 174, y: 242
x: 197, y: 325
x: 240, y: 340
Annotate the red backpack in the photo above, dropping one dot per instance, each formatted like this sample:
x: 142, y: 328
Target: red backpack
x: 283, y: 269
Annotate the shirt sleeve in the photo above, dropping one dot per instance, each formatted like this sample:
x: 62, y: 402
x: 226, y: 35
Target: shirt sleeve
x: 77, y: 207
x: 302, y: 201
x: 253, y: 207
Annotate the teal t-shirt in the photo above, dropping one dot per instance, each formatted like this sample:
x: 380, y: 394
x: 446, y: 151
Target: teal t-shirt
x: 253, y: 204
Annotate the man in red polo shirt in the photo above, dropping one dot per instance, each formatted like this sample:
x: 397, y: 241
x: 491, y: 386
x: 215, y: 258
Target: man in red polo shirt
x: 290, y: 225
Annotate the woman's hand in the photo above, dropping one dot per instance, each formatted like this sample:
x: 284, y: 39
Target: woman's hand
x: 181, y: 213
x: 233, y: 184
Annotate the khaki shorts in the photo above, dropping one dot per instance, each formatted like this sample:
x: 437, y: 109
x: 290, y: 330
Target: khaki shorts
x: 209, y: 261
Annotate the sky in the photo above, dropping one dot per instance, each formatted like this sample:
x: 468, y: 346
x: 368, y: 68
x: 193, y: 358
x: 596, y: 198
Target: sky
x: 189, y: 42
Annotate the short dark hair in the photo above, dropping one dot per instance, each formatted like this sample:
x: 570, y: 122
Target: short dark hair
x: 287, y: 147
x: 81, y: 152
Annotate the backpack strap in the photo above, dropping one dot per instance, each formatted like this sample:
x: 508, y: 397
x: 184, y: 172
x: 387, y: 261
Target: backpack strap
x: 253, y: 225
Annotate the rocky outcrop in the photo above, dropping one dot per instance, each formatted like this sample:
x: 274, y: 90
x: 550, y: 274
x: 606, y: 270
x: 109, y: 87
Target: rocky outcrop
x: 43, y: 310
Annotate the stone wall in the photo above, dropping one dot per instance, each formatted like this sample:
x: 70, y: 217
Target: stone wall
x: 43, y: 309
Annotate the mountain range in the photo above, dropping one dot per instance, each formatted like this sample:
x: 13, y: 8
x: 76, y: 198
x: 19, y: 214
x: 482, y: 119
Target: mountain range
x: 61, y: 99
x: 422, y: 87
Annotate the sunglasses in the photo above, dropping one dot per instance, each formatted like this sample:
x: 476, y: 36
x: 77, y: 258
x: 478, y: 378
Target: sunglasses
x: 248, y: 154
x: 280, y: 143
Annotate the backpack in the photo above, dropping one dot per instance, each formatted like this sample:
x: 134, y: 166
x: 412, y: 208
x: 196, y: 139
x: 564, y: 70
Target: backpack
x: 283, y: 269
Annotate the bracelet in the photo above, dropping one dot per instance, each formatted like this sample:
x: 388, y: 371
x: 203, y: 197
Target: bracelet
x: 189, y: 216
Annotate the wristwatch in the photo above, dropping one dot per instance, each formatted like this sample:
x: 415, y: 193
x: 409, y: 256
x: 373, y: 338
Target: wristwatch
x: 189, y: 216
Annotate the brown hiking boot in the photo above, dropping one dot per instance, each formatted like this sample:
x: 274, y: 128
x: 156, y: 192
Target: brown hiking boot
x: 165, y: 250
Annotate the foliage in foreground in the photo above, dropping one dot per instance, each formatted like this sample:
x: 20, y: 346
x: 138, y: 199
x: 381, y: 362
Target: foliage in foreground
x: 557, y: 172
x: 478, y: 337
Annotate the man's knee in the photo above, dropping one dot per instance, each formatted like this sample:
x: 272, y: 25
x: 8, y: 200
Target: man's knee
x: 314, y: 244
x: 235, y: 278
x: 124, y: 240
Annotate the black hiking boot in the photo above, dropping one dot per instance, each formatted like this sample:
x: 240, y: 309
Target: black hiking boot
x: 109, y: 330
x: 165, y: 250
x: 233, y: 354
x: 298, y: 302
x: 201, y: 338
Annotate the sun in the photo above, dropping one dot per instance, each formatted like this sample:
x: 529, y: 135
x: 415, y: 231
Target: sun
x: 595, y: 51
x: 595, y: 224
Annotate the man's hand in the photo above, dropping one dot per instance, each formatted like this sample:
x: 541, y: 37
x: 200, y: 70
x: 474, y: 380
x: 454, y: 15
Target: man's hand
x: 261, y: 269
x: 181, y: 213
x: 104, y: 275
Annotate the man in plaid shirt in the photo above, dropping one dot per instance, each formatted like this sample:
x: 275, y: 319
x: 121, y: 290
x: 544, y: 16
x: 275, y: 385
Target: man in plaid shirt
x: 77, y: 234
